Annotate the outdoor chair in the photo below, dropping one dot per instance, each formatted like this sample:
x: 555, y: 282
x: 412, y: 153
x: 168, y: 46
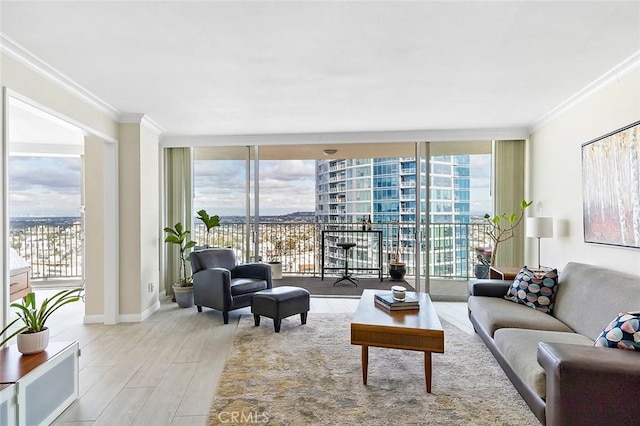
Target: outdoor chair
x: 220, y: 283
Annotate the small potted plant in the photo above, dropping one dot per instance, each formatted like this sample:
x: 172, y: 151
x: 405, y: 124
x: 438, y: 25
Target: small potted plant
x: 33, y: 336
x: 183, y: 289
x: 274, y: 255
x: 210, y: 222
x: 397, y: 268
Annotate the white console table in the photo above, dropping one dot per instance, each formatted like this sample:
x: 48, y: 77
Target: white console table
x: 35, y: 389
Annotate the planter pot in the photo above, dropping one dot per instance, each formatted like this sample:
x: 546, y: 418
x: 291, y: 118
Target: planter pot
x: 481, y: 271
x: 184, y: 296
x: 276, y: 270
x: 397, y: 271
x: 32, y: 343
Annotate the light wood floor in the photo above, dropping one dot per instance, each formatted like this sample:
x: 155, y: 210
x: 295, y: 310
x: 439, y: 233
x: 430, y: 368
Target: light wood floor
x: 165, y: 370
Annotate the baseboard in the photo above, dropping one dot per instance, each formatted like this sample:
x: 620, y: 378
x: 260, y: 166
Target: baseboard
x: 99, y: 319
x: 93, y: 319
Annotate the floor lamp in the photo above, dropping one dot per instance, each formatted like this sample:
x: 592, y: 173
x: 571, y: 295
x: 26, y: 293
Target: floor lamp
x: 539, y: 227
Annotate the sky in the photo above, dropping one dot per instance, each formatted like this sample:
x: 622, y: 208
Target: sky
x: 50, y: 186
x: 44, y: 186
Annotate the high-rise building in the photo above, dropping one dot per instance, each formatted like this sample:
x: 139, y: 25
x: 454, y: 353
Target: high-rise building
x: 383, y: 190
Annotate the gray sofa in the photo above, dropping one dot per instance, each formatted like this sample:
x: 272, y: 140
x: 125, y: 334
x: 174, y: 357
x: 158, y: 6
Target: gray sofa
x: 551, y: 359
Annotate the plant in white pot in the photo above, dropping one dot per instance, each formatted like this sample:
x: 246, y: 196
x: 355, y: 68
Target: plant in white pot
x: 274, y: 255
x: 183, y: 289
x: 33, y: 336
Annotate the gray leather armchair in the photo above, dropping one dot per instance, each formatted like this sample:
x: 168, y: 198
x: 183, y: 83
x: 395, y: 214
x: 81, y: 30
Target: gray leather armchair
x: 220, y: 283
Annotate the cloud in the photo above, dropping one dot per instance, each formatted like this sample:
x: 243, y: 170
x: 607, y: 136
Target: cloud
x: 480, y: 184
x: 44, y: 186
x: 50, y: 186
x: 285, y: 186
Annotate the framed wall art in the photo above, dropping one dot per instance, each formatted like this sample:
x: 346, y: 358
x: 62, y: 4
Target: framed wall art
x: 611, y: 188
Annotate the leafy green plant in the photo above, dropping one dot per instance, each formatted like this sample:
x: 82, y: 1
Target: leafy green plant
x: 503, y: 227
x: 179, y: 236
x: 209, y: 221
x: 34, y: 319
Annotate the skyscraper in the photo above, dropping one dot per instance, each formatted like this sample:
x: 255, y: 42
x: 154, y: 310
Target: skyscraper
x: 350, y: 191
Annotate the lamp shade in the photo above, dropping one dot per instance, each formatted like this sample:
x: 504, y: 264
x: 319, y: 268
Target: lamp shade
x: 539, y: 227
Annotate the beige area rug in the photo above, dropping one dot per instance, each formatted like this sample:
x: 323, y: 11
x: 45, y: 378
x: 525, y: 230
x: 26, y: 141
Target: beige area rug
x: 311, y: 375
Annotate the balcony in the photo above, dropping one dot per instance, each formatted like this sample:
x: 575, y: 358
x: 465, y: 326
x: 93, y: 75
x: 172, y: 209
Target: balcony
x: 55, y: 250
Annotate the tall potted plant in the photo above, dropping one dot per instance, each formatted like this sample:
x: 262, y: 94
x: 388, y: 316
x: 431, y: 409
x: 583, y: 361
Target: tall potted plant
x: 503, y: 227
x: 183, y: 289
x: 210, y: 222
x: 33, y: 336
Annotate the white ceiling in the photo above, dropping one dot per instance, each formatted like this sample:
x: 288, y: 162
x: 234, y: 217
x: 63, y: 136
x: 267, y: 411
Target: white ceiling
x: 266, y: 67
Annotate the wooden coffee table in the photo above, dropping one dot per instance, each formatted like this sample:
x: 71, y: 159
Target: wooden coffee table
x: 414, y: 330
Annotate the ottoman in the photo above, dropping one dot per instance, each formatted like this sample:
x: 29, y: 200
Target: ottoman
x: 280, y: 302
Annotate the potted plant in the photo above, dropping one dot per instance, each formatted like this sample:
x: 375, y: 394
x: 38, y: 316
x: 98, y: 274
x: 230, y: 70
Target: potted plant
x: 503, y: 226
x: 183, y: 289
x: 397, y: 268
x: 33, y: 336
x: 210, y: 222
x: 274, y: 255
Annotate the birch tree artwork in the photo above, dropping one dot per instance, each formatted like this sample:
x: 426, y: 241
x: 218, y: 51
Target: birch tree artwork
x: 611, y: 188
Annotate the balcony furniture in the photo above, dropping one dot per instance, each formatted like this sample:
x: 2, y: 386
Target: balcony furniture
x: 551, y: 359
x: 414, y: 330
x: 220, y: 283
x: 346, y: 276
x: 358, y: 235
x: 278, y: 303
x: 36, y: 389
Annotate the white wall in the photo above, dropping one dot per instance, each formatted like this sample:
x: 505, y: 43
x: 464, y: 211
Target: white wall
x: 555, y: 174
x: 150, y: 218
x: 139, y: 221
x: 111, y: 273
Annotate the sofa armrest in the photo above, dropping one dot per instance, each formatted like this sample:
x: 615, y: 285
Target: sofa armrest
x: 491, y: 288
x: 590, y: 385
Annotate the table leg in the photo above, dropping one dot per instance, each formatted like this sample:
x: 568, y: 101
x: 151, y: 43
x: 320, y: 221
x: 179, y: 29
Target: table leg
x: 365, y: 363
x: 427, y: 370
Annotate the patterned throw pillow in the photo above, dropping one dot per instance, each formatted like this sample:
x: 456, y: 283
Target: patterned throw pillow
x: 623, y: 332
x: 534, y: 289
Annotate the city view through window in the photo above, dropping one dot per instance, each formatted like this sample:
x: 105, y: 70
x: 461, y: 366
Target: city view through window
x: 45, y: 205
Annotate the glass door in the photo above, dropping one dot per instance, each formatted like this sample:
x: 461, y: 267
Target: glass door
x: 222, y: 186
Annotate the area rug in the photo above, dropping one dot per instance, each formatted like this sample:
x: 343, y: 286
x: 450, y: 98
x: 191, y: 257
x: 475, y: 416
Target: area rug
x: 325, y: 287
x: 311, y: 375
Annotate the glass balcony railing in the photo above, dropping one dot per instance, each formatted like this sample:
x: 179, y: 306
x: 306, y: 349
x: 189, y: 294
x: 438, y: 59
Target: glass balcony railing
x: 55, y: 250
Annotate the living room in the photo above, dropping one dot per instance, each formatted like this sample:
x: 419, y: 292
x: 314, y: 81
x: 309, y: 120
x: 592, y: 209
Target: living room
x: 554, y: 75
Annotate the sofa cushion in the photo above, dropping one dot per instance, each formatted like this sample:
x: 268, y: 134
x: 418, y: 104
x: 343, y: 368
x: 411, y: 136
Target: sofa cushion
x: 520, y: 348
x: 247, y: 285
x: 493, y: 313
x: 534, y: 289
x: 589, y: 297
x: 623, y: 332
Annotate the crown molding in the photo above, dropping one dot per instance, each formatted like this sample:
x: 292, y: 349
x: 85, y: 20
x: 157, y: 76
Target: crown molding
x: 130, y: 118
x: 138, y: 118
x: 444, y: 135
x: 613, y: 75
x: 15, y: 51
